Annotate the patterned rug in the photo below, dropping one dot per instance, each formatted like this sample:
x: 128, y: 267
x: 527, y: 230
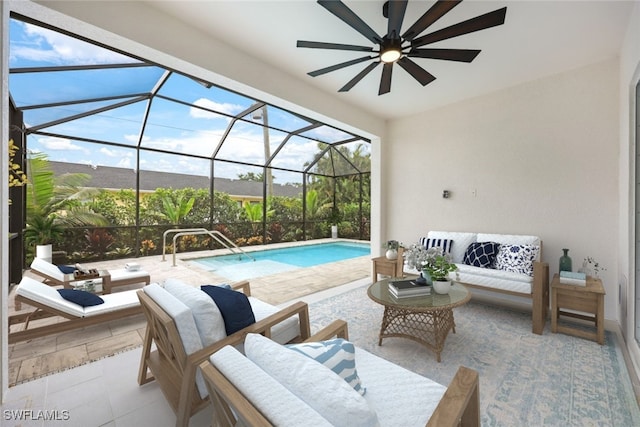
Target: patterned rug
x: 525, y: 379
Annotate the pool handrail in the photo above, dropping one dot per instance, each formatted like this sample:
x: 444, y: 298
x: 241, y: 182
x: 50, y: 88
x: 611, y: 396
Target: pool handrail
x: 214, y: 234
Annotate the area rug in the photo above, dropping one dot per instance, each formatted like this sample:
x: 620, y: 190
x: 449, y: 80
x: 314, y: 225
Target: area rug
x: 525, y: 379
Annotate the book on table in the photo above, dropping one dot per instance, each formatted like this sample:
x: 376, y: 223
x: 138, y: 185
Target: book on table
x: 408, y: 288
x: 571, y: 278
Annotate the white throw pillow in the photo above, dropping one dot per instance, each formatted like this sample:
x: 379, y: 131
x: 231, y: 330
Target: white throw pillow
x: 205, y: 312
x: 314, y: 383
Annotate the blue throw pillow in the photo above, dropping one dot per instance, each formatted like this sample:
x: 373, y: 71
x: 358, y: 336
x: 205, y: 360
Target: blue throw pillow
x: 83, y: 298
x: 67, y: 269
x: 234, y: 307
x: 481, y: 254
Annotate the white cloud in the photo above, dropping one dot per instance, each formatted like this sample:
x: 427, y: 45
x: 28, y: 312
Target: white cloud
x: 124, y: 162
x: 49, y: 46
x: 56, y: 144
x: 212, y: 105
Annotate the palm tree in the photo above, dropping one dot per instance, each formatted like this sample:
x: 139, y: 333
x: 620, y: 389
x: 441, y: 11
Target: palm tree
x: 54, y: 203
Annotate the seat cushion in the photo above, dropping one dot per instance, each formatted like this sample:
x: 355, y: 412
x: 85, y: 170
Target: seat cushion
x: 205, y: 312
x: 460, y: 242
x: 284, y: 331
x: 314, y: 383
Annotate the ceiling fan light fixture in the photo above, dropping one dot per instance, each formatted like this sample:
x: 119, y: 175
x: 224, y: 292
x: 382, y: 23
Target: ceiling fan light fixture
x: 390, y: 55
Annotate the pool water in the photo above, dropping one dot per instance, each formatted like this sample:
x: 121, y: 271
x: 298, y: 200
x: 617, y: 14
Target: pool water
x: 273, y: 261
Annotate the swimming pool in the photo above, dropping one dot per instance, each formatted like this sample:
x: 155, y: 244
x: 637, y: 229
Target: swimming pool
x: 273, y: 261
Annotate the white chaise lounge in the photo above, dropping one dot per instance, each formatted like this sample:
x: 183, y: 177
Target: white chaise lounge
x: 48, y: 302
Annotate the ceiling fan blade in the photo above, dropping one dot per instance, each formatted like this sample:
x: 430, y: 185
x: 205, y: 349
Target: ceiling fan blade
x: 339, y: 66
x: 460, y: 55
x: 358, y: 77
x: 341, y: 10
x: 396, y: 16
x: 435, y: 12
x: 337, y: 46
x: 478, y: 23
x: 385, y: 80
x: 417, y: 72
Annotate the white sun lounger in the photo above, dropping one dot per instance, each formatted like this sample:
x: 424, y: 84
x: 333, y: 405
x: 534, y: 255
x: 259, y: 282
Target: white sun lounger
x: 108, y: 278
x: 48, y: 302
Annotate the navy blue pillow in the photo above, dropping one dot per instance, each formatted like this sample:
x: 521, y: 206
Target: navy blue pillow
x: 481, y: 254
x: 234, y: 307
x: 83, y: 298
x: 66, y: 269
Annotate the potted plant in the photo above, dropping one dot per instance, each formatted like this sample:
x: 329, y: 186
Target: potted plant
x: 392, y: 249
x: 334, y: 219
x: 438, y: 268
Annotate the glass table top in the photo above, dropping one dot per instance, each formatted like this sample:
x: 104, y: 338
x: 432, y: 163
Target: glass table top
x: 458, y: 295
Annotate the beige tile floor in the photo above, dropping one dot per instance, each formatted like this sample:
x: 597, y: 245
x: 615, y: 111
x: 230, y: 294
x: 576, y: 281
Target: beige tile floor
x: 55, y: 353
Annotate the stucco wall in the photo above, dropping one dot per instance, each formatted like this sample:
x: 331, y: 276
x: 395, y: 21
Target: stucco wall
x: 540, y: 158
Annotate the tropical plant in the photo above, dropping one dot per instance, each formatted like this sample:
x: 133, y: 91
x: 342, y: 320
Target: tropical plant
x: 54, y: 203
x: 17, y: 178
x: 176, y: 211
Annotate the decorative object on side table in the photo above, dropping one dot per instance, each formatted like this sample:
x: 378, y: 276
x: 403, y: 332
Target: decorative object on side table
x: 591, y: 267
x: 392, y: 249
x: 565, y: 261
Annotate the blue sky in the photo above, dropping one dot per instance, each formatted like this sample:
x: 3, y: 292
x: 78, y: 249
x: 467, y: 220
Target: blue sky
x: 171, y: 126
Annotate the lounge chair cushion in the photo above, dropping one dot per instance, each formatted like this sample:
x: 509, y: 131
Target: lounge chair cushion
x: 83, y: 298
x: 205, y: 312
x: 49, y: 269
x: 234, y: 307
x: 46, y: 295
x: 282, y: 408
x: 314, y: 383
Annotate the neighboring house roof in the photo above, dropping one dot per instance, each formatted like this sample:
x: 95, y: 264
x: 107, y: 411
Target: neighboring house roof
x: 113, y: 178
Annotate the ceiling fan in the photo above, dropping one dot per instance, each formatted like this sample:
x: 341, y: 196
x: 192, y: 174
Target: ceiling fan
x: 396, y: 48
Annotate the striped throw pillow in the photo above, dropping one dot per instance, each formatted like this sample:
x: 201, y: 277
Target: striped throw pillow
x: 336, y: 354
x: 445, y: 244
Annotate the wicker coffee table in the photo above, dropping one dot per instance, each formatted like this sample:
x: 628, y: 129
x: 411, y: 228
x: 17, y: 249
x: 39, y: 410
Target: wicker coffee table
x: 425, y: 319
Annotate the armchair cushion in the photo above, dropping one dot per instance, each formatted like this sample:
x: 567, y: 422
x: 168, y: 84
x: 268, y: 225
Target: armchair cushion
x: 205, y: 312
x: 314, y: 383
x: 234, y: 307
x: 338, y: 355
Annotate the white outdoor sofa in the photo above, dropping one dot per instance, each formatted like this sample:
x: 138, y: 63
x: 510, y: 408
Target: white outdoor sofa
x: 522, y: 274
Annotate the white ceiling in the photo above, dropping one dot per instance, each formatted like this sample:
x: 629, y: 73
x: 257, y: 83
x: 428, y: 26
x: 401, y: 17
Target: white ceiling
x: 538, y: 38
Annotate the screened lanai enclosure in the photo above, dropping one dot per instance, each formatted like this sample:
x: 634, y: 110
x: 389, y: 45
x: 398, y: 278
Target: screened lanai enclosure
x: 117, y: 150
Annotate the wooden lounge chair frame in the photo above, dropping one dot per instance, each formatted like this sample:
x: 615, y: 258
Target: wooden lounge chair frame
x: 44, y: 311
x: 460, y: 405
x: 175, y: 371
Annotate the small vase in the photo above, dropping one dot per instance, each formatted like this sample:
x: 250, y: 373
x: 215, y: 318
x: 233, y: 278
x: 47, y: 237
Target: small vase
x: 427, y: 277
x: 565, y: 261
x: 442, y: 287
x: 391, y: 254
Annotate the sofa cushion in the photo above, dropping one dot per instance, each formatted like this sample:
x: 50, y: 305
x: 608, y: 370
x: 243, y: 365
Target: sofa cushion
x: 517, y: 258
x: 272, y: 399
x: 510, y: 239
x: 314, y: 383
x: 445, y: 244
x: 461, y: 241
x: 284, y: 331
x: 205, y: 312
x: 481, y: 254
x: 234, y: 307
x: 337, y: 354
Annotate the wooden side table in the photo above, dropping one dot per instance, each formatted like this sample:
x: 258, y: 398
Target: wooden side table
x: 587, y: 299
x: 388, y: 267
